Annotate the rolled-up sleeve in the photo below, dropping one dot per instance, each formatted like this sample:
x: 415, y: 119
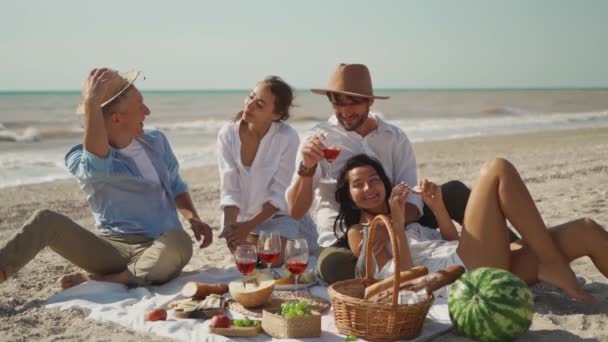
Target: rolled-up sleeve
x: 85, y: 165
x: 282, y: 177
x: 230, y: 191
x: 178, y: 185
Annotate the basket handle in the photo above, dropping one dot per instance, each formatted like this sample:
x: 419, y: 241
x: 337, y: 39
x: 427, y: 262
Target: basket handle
x: 396, y: 256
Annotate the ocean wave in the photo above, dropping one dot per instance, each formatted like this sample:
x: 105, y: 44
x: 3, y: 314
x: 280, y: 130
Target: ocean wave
x: 27, y: 135
x: 36, y: 134
x: 505, y: 110
x: 204, y: 126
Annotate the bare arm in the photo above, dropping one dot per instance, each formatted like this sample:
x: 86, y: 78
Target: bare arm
x: 267, y: 211
x: 300, y: 194
x: 432, y: 196
x: 397, y: 201
x: 299, y: 197
x: 201, y: 230
x: 355, y: 239
x: 95, y: 134
x: 231, y: 213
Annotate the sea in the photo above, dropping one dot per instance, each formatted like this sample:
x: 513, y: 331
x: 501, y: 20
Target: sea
x: 38, y: 127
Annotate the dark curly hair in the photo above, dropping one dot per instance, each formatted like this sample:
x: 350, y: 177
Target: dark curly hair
x: 349, y: 214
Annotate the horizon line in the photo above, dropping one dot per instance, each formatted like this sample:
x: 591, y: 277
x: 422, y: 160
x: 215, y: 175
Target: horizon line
x: 239, y: 90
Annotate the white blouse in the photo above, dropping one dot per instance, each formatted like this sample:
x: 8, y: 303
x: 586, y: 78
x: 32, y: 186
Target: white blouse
x: 266, y: 180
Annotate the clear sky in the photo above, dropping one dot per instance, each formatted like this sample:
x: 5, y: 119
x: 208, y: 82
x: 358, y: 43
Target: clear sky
x: 223, y: 44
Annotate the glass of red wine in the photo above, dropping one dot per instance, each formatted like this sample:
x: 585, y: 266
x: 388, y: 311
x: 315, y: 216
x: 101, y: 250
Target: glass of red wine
x: 246, y: 257
x: 331, y: 151
x: 269, y: 246
x: 296, y: 258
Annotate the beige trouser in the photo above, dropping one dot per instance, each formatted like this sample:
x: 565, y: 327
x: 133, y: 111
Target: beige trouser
x: 148, y: 261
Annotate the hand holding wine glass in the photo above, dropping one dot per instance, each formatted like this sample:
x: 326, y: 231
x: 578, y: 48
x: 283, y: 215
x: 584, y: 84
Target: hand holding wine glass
x: 269, y: 246
x: 296, y: 258
x: 331, y: 151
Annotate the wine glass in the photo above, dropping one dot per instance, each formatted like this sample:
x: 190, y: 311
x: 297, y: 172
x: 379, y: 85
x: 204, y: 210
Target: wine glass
x: 296, y: 258
x: 269, y: 246
x: 331, y: 153
x: 246, y: 257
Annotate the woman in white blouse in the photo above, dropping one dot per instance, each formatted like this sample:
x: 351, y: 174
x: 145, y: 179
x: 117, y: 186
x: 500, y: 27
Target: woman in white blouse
x: 256, y: 159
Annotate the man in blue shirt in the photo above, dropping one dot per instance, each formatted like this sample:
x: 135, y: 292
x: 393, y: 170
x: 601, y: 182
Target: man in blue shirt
x: 131, y: 180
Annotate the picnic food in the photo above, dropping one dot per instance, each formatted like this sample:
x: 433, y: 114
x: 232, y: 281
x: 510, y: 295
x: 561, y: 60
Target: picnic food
x: 431, y: 282
x: 489, y: 304
x: 156, y: 315
x: 387, y: 283
x: 200, y: 290
x: 252, y: 291
x: 295, y: 309
x: 213, y: 304
x: 289, y: 279
x: 246, y: 322
x: 222, y: 325
x: 220, y: 321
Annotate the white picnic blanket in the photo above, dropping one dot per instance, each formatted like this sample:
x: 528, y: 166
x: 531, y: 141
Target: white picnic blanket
x: 116, y: 303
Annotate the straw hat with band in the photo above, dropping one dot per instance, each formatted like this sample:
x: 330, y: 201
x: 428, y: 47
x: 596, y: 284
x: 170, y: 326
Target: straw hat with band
x: 117, y: 84
x: 350, y: 80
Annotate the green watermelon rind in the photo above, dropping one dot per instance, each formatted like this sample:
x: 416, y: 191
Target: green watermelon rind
x: 504, y: 310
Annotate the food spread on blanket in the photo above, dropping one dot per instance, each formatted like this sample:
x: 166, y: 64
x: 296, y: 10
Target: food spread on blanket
x: 255, y: 290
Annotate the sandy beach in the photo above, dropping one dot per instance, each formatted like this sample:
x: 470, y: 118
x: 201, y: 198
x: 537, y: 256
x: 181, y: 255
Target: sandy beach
x: 566, y: 171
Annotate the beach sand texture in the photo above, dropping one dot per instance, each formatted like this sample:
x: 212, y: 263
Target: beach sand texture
x: 566, y: 171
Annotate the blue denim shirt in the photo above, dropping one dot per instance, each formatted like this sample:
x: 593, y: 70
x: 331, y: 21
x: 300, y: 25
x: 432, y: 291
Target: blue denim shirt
x: 121, y: 200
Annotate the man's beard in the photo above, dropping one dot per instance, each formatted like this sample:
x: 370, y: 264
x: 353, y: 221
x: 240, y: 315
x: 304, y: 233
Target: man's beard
x: 357, y: 124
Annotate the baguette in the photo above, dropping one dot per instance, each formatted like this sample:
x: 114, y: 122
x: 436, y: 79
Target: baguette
x: 199, y: 290
x: 431, y: 282
x: 380, y: 286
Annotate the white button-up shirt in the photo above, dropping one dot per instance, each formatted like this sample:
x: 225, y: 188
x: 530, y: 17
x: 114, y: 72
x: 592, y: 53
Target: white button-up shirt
x: 266, y: 180
x: 387, y: 143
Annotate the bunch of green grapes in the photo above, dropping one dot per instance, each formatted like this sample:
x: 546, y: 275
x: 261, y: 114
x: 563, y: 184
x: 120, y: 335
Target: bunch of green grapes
x: 295, y: 309
x: 246, y: 322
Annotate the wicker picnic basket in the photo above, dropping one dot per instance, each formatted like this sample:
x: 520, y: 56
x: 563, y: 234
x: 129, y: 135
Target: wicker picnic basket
x: 370, y: 320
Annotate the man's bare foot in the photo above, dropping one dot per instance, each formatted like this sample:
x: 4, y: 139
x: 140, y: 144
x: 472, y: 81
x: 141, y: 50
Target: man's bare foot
x: 72, y: 280
x: 561, y: 275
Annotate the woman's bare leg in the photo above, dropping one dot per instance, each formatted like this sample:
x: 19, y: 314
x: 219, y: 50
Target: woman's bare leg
x: 501, y: 194
x: 575, y: 239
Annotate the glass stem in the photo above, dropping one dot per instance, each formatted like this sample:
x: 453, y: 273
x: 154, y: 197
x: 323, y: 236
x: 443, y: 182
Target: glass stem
x: 296, y: 278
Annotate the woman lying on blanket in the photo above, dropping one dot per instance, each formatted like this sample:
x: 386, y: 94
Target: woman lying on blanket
x: 498, y: 195
x: 256, y: 160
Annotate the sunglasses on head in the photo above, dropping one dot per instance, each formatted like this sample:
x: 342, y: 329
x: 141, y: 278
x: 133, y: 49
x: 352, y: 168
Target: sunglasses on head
x: 346, y: 100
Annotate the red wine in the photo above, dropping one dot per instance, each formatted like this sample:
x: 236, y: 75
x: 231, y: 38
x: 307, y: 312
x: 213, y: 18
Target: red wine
x: 270, y: 257
x: 297, y: 266
x: 246, y: 267
x: 331, y: 153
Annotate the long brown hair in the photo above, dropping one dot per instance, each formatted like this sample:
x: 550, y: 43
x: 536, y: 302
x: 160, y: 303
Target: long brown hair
x: 283, y: 97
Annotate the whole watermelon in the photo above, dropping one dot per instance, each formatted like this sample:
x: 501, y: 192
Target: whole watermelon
x: 489, y: 304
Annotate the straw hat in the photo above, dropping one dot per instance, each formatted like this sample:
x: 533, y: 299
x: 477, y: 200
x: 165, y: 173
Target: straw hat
x: 117, y: 84
x: 351, y: 80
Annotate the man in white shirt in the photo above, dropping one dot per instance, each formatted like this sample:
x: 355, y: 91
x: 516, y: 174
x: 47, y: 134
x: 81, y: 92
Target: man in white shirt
x: 356, y: 131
